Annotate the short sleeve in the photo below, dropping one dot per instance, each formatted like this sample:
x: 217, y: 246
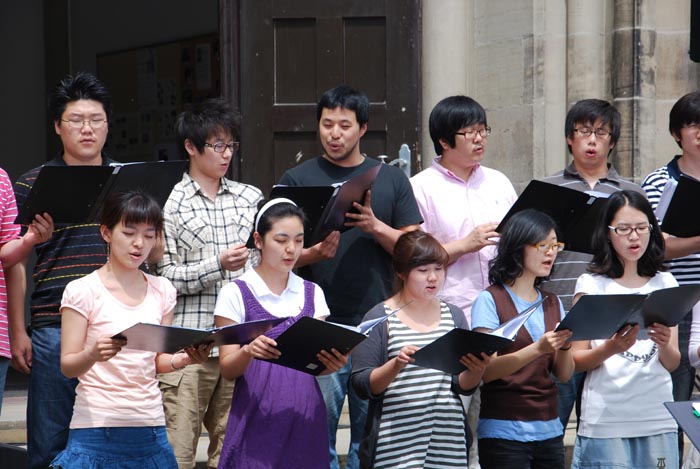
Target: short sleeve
x: 320, y: 307
x: 585, y: 284
x: 484, y: 314
x: 169, y: 295
x: 229, y: 303
x: 79, y: 297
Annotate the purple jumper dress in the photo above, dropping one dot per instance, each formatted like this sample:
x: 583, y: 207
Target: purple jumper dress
x: 278, y: 417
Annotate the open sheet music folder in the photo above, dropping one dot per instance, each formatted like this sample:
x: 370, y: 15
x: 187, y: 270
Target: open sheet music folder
x: 576, y: 213
x: 677, y: 206
x: 304, y: 339
x: 682, y: 412
x: 325, y: 206
x: 444, y: 353
x: 600, y: 316
x: 170, y: 339
x: 75, y: 194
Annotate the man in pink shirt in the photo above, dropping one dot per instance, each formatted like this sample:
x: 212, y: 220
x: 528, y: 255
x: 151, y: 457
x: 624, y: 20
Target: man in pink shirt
x: 462, y: 203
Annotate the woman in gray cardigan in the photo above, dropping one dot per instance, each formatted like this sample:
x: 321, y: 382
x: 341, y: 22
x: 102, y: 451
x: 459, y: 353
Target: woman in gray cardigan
x: 415, y: 416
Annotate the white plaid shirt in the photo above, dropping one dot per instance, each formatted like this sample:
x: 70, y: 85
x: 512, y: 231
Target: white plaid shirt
x: 196, y: 231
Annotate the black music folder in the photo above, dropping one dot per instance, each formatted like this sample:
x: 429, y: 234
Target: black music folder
x: 170, y: 339
x: 444, y: 353
x: 600, y: 316
x: 75, y: 194
x: 576, y: 213
x: 687, y: 414
x: 325, y: 206
x: 677, y: 205
x: 304, y: 339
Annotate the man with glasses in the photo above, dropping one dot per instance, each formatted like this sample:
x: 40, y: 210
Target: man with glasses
x: 462, y: 203
x: 206, y: 223
x: 682, y: 254
x: 80, y: 107
x: 592, y: 129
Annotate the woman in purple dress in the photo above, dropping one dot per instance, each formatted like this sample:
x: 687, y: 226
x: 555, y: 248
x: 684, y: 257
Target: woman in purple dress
x: 278, y: 418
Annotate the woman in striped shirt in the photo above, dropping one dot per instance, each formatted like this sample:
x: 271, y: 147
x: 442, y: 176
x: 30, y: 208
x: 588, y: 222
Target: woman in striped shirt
x: 415, y: 416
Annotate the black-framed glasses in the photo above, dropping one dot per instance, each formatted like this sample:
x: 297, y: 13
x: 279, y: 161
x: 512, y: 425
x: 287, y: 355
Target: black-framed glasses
x: 78, y: 124
x: 471, y: 133
x: 586, y: 132
x: 627, y: 230
x: 544, y: 247
x: 221, y: 147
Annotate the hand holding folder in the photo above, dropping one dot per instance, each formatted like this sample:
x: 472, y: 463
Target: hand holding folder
x: 325, y: 206
x: 304, y: 339
x: 75, y: 194
x: 576, y: 213
x: 444, y: 353
x: 170, y: 339
x: 601, y: 316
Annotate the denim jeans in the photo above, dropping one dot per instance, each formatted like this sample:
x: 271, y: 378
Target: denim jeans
x: 50, y: 400
x: 496, y: 453
x: 643, y: 452
x: 4, y: 364
x: 335, y: 387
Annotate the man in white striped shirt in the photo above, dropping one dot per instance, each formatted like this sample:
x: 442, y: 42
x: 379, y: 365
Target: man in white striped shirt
x: 682, y: 254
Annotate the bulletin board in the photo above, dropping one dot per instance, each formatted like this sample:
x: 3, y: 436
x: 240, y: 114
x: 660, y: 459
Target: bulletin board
x: 150, y: 86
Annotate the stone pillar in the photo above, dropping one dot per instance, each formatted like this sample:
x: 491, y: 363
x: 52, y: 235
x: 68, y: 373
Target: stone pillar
x: 448, y: 58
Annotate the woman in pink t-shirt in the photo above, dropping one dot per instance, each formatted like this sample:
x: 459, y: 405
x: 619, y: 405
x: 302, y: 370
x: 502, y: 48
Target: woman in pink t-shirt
x: 118, y: 418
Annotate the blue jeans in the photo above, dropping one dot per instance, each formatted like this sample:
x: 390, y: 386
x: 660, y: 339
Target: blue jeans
x: 496, y: 453
x: 117, y: 447
x: 334, y: 388
x: 643, y: 452
x: 50, y: 400
x: 566, y: 395
x: 4, y: 364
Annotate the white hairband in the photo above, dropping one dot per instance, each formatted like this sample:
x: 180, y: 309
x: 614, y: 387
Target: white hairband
x: 279, y: 200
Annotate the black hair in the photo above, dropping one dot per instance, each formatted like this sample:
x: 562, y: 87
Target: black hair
x: 685, y: 111
x: 588, y: 111
x: 82, y: 85
x: 414, y: 249
x: 605, y: 260
x: 523, y: 229
x: 202, y: 120
x: 131, y: 207
x: 276, y: 212
x: 346, y: 98
x: 452, y: 114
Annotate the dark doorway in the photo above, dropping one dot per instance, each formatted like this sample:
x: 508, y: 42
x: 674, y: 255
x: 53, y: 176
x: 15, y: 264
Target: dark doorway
x: 291, y: 51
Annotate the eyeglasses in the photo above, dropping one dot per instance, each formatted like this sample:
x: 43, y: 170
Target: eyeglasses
x: 78, y: 124
x: 586, y: 132
x: 544, y: 247
x: 627, y: 230
x: 693, y: 127
x: 221, y: 147
x: 483, y: 133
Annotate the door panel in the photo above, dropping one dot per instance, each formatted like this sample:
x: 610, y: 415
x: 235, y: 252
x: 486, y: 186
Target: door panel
x: 291, y: 51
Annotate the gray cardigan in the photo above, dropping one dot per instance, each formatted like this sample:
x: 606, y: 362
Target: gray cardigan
x: 372, y: 353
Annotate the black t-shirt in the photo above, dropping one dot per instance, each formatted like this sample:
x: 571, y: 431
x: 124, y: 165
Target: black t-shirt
x: 360, y: 275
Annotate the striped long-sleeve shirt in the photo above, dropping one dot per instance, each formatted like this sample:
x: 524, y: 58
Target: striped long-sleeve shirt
x: 72, y: 252
x: 8, y: 232
x: 685, y: 269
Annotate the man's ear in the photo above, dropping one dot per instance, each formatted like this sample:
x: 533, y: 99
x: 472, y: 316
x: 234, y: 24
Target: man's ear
x: 363, y: 129
x: 444, y: 144
x: 190, y: 148
x: 57, y: 127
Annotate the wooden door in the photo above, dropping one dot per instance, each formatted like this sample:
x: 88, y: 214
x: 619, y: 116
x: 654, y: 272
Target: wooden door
x: 291, y: 51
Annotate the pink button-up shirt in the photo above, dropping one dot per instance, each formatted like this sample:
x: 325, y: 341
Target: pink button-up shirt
x: 451, y: 209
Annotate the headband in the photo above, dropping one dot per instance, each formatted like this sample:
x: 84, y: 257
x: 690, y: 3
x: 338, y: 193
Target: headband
x: 279, y: 200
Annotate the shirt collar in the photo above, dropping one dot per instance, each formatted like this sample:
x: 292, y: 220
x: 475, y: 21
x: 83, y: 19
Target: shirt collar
x: 260, y: 289
x: 476, y: 173
x: 192, y: 187
x: 673, y: 169
x: 612, y: 176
